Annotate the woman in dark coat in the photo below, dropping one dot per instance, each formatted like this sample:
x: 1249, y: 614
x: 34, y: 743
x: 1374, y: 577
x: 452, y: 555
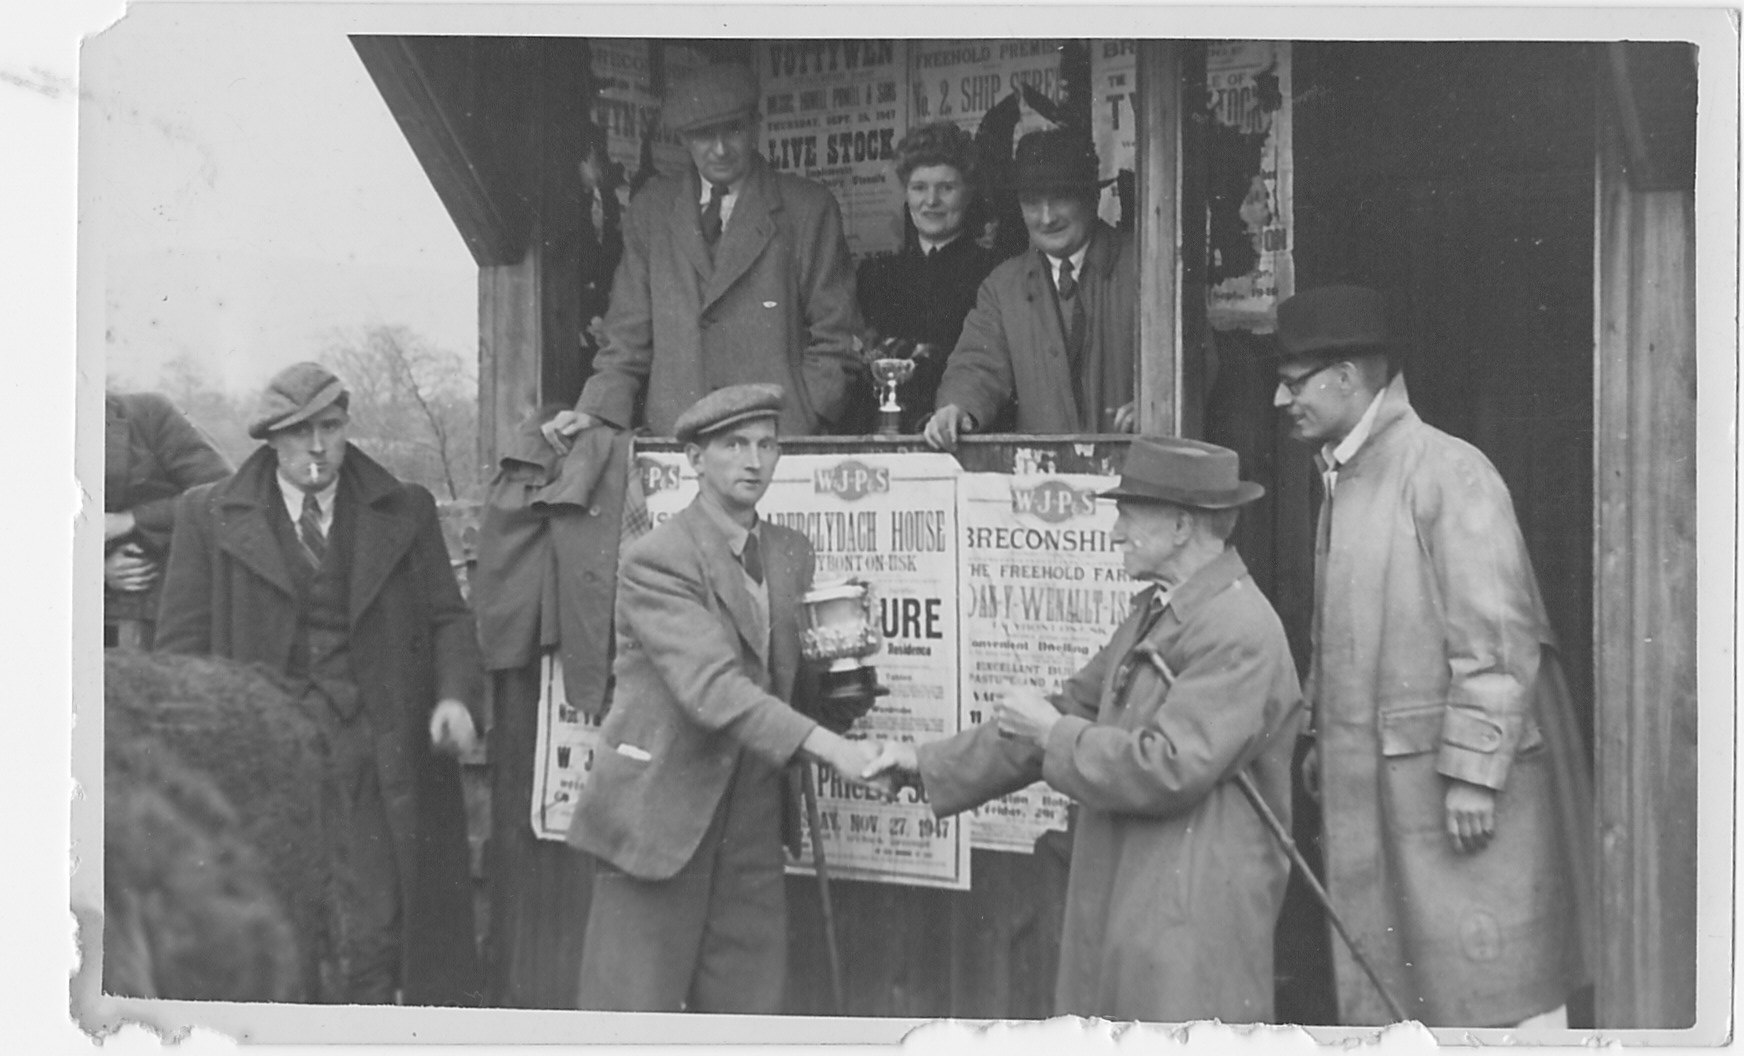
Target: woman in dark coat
x: 917, y: 298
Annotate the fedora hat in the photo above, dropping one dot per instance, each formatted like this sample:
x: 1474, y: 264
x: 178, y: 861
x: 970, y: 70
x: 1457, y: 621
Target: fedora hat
x: 1183, y: 472
x: 1330, y: 319
x: 1055, y: 159
x: 709, y: 95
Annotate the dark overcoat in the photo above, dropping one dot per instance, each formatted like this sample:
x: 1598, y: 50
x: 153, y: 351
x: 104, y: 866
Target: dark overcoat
x: 1176, y: 883
x: 921, y: 298
x: 774, y: 303
x: 1013, y: 347
x: 228, y: 592
x: 1433, y: 659
x: 151, y: 454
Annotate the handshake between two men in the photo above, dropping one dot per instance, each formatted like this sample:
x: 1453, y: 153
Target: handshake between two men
x: 1024, y: 715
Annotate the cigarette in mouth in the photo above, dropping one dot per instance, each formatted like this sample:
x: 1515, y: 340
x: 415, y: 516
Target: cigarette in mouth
x: 314, y: 473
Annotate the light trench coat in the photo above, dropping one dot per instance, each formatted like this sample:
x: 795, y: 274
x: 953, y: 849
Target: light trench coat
x: 1175, y: 883
x: 1433, y: 659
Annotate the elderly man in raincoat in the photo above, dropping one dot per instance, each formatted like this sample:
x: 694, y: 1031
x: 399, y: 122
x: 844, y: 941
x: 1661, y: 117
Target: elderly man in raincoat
x: 1455, y: 797
x: 1176, y: 883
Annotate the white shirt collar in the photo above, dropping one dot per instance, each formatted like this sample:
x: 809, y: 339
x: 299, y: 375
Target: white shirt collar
x: 293, y: 496
x: 1077, y: 260
x: 727, y: 202
x: 927, y: 245
x: 1338, y: 454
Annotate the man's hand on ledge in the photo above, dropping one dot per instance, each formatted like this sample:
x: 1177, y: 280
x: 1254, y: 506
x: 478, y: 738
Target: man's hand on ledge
x: 946, y: 424
x: 563, y: 426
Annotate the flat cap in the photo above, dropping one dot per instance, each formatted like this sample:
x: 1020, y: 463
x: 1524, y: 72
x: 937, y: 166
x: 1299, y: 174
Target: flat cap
x: 709, y: 95
x: 726, y: 407
x: 1331, y: 317
x: 294, y: 394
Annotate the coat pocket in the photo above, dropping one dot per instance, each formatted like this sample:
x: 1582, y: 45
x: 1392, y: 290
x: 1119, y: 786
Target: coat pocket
x: 1411, y: 731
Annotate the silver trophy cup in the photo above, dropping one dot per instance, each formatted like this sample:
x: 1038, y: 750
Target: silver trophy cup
x: 890, y: 373
x: 841, y: 631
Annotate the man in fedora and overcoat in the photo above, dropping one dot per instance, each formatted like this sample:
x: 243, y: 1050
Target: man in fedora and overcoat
x: 732, y: 272
x: 1048, y: 347
x: 1175, y: 881
x: 316, y: 566
x: 1453, y: 787
x: 690, y: 796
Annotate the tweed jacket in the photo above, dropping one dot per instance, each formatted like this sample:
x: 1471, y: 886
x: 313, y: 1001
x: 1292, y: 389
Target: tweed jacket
x: 694, y: 689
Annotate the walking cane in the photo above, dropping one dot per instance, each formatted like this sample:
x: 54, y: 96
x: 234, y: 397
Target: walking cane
x: 808, y: 791
x: 1244, y: 780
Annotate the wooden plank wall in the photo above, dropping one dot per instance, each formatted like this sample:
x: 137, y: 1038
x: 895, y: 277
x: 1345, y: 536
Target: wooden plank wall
x: 1646, y: 589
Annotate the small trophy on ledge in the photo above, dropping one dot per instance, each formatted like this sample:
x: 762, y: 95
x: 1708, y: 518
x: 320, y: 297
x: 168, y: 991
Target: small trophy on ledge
x: 892, y: 361
x: 842, y: 631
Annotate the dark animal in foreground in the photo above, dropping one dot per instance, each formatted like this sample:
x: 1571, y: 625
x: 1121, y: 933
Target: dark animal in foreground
x: 217, y: 883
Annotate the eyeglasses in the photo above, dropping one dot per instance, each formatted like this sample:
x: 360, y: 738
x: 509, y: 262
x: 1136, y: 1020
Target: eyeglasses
x: 1295, y: 385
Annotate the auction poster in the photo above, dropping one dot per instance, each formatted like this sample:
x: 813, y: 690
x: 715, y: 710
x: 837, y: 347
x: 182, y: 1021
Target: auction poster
x: 627, y: 103
x: 891, y: 521
x: 563, y: 754
x: 1042, y: 588
x: 1252, y: 266
x: 1113, y: 86
x: 834, y: 110
x: 961, y: 80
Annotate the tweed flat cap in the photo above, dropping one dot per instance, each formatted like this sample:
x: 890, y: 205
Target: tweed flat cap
x: 1331, y: 317
x: 1184, y: 472
x: 709, y: 95
x: 729, y: 406
x: 295, y: 393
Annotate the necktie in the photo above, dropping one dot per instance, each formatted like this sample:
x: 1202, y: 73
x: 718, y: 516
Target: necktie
x: 309, y: 530
x: 711, y: 214
x: 1086, y: 392
x: 1068, y: 285
x: 752, y: 559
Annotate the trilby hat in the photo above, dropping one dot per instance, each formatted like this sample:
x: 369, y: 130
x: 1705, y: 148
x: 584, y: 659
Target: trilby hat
x: 295, y: 394
x: 1055, y: 159
x: 1330, y: 318
x: 728, y: 407
x: 1183, y: 472
x: 709, y: 95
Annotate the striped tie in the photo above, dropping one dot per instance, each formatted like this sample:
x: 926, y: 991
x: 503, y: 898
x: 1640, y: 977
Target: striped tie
x: 309, y: 530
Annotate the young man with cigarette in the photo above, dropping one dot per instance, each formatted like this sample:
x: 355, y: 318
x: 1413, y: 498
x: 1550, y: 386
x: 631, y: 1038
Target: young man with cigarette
x: 315, y: 565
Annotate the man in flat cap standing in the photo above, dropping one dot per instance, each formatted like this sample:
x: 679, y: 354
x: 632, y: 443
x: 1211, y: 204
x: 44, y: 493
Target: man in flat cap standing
x: 1450, y: 773
x: 314, y: 564
x: 1175, y: 883
x: 1049, y: 343
x: 689, y: 793
x: 731, y: 273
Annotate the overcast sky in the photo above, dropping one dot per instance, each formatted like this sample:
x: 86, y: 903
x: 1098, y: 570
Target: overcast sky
x: 248, y: 193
